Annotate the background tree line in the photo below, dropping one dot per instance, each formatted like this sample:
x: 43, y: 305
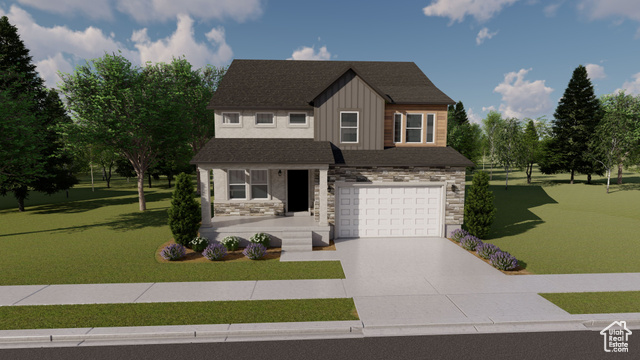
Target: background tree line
x: 588, y: 135
x: 136, y: 120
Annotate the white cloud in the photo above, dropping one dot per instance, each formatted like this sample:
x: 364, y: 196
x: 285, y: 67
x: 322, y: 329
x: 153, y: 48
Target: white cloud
x: 162, y: 10
x: 95, y: 9
x: 182, y: 42
x: 484, y: 34
x: 552, y: 9
x: 632, y: 86
x: 601, y: 9
x: 309, y: 53
x: 488, y: 108
x: 522, y: 98
x: 457, y: 10
x: 49, y: 67
x: 595, y: 71
x: 44, y: 42
x: 473, y: 117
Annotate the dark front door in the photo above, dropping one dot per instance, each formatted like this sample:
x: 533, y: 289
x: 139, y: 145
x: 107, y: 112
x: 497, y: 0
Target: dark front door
x: 298, y: 190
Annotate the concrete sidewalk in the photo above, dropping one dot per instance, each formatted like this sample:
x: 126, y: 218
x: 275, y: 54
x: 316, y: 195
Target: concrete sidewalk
x: 439, y: 289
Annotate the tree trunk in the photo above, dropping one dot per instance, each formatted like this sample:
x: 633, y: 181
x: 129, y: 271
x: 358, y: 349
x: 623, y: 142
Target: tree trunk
x: 21, y: 194
x: 491, y: 174
x: 506, y: 184
x: 149, y: 176
x: 620, y: 174
x: 529, y: 171
x: 572, y: 172
x: 608, y: 179
x: 588, y: 178
x: 108, y: 176
x: 141, y: 201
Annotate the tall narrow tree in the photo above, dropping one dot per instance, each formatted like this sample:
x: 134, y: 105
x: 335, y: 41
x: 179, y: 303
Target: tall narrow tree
x: 509, y: 146
x: 530, y: 148
x: 576, y: 117
x: 490, y: 126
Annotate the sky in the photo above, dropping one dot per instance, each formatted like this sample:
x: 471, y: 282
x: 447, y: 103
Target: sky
x: 512, y: 56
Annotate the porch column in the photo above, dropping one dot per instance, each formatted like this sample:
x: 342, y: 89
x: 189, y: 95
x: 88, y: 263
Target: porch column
x: 323, y: 198
x: 205, y: 196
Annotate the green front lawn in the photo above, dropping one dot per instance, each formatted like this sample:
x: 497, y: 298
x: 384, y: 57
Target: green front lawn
x: 102, y: 237
x: 596, y: 302
x: 176, y: 313
x: 554, y: 227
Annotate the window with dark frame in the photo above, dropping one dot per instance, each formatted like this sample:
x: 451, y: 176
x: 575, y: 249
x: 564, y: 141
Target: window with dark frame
x: 397, y: 128
x: 264, y: 119
x: 298, y: 119
x: 237, y: 185
x: 230, y: 118
x: 259, y: 184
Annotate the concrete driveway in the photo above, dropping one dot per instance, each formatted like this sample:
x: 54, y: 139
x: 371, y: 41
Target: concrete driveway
x: 426, y: 281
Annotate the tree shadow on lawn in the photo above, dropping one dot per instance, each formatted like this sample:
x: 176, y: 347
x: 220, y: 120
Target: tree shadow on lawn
x: 513, y: 215
x: 124, y: 222
x: 75, y: 207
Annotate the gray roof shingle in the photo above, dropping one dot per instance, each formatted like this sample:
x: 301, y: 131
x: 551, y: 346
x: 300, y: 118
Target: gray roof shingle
x: 294, y: 84
x: 228, y: 151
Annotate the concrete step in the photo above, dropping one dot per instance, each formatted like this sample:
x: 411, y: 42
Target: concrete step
x: 296, y: 234
x: 297, y: 241
x: 297, y: 248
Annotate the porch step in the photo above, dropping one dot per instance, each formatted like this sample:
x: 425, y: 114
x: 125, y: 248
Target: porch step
x: 296, y: 241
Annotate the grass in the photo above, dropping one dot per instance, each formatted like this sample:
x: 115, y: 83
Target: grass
x: 177, y: 313
x: 596, y: 302
x: 554, y: 227
x: 102, y: 237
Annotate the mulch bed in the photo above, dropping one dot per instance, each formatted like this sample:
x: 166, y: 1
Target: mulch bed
x: 517, y: 271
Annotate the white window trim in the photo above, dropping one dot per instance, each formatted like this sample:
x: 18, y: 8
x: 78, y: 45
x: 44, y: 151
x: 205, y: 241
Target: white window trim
x: 306, y: 119
x: 250, y: 193
x: 246, y: 193
x: 393, y: 135
x: 434, y: 129
x: 273, y: 119
x: 357, y: 127
x: 224, y: 124
x: 422, y: 128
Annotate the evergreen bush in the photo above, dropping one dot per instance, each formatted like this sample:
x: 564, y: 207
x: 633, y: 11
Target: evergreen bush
x: 479, y: 211
x: 231, y: 243
x: 184, y: 213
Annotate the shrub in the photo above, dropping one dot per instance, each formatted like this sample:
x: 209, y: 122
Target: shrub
x: 479, y: 210
x: 255, y: 251
x: 231, y: 243
x: 261, y: 238
x: 215, y: 252
x: 503, y: 260
x: 458, y: 234
x: 485, y: 250
x: 470, y: 242
x: 173, y: 252
x: 184, y: 213
x: 198, y: 244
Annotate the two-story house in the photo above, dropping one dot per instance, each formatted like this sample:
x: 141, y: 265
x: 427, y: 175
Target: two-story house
x: 309, y: 151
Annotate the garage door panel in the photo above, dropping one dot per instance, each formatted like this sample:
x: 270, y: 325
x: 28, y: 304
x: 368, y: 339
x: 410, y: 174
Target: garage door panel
x: 376, y: 211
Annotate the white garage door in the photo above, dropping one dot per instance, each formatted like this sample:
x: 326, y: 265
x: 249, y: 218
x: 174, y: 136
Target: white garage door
x: 375, y: 211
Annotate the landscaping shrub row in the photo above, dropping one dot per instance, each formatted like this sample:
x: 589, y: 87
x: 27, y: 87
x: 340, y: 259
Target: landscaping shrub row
x: 257, y: 248
x: 499, y: 259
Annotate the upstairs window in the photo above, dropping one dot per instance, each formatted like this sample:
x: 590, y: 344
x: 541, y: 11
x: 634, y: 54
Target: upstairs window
x: 413, y: 133
x: 397, y: 128
x: 259, y: 184
x: 430, y: 121
x: 264, y: 119
x: 237, y: 187
x: 349, y: 126
x: 230, y: 118
x: 297, y: 119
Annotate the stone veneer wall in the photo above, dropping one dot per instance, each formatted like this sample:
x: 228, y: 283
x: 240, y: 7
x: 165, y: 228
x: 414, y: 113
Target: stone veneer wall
x: 248, y: 208
x: 454, y: 209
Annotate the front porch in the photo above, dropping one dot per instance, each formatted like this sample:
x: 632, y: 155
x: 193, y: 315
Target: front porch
x: 289, y: 232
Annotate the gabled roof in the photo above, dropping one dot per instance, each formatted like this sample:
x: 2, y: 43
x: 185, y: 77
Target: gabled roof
x: 294, y: 84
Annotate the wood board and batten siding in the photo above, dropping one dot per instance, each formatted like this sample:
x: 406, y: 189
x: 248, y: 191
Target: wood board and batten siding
x: 350, y: 93
x: 440, y: 133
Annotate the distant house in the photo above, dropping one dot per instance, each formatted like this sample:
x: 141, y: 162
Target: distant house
x: 315, y: 150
